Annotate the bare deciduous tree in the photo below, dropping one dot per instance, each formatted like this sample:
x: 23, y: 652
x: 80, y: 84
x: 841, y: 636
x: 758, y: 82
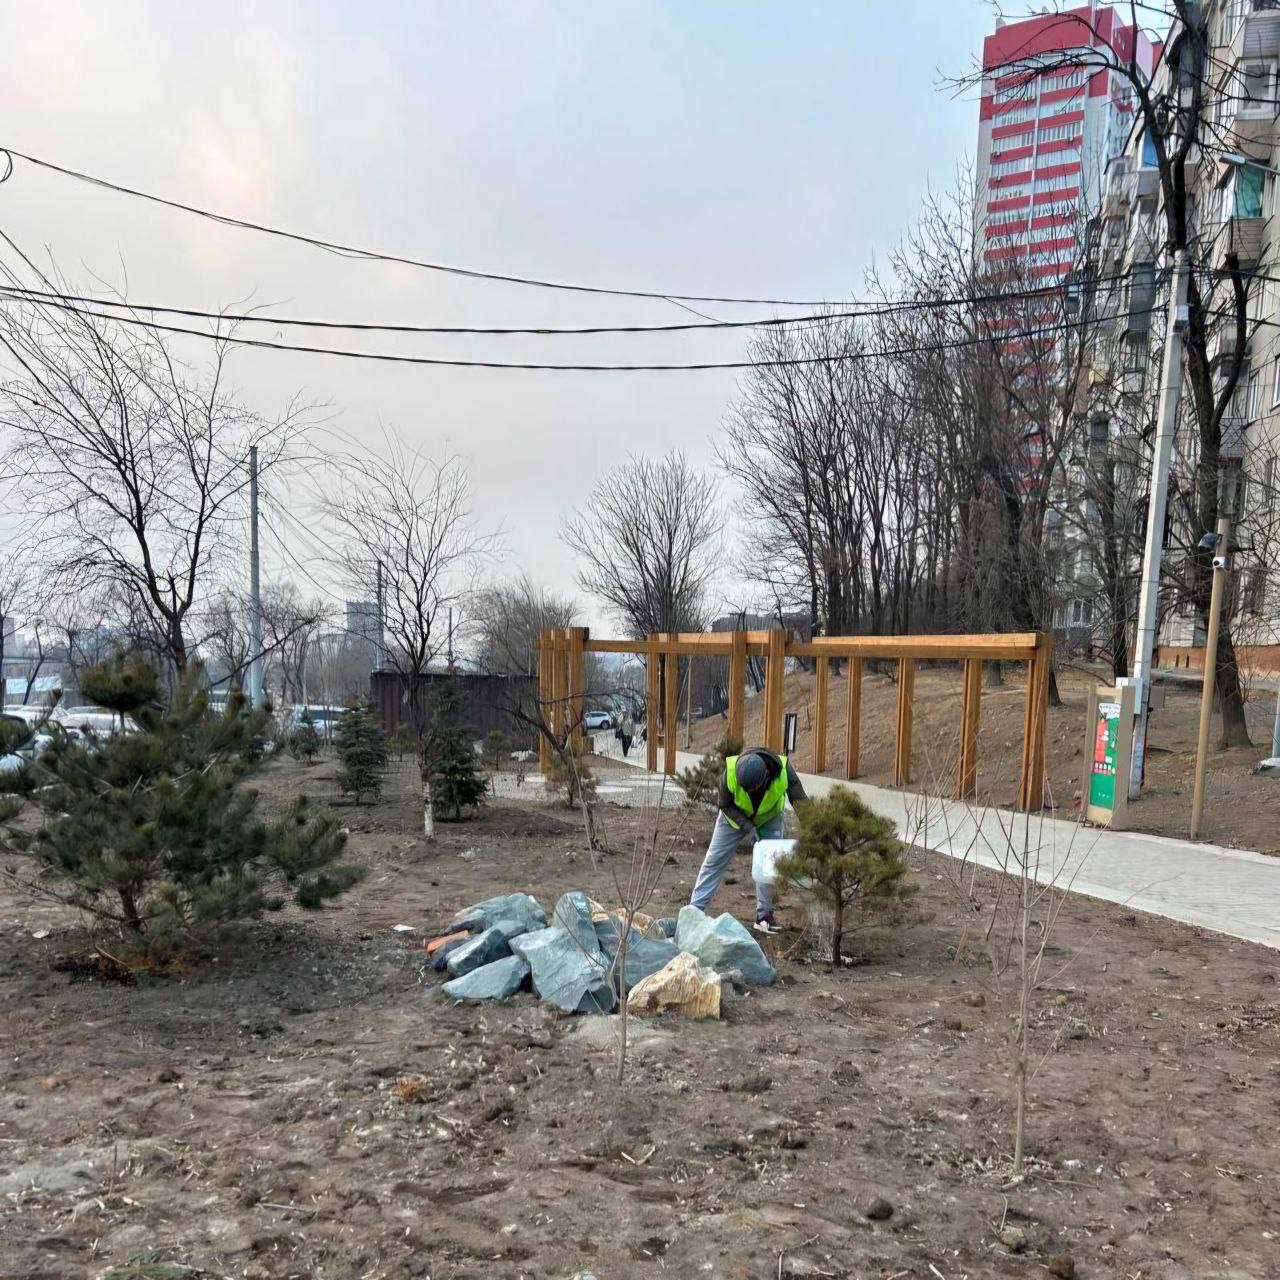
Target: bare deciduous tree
x: 131, y: 466
x: 647, y: 541
x: 410, y: 517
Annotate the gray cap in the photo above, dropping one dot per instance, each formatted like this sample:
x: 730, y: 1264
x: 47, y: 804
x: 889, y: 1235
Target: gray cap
x: 752, y: 771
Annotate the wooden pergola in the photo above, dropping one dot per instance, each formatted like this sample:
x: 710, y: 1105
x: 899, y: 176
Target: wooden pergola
x: 561, y: 689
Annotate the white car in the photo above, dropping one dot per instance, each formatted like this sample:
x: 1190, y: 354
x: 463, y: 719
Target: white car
x: 594, y: 721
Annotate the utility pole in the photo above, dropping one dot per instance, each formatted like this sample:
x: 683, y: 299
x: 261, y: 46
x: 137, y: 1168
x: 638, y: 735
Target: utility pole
x: 450, y: 648
x: 1221, y: 567
x: 255, y: 587
x: 1157, y: 509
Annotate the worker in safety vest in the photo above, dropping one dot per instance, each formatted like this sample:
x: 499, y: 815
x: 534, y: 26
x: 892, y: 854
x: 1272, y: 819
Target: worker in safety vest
x: 753, y: 795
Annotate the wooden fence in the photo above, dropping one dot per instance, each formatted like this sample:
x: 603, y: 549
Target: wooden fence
x: 561, y: 691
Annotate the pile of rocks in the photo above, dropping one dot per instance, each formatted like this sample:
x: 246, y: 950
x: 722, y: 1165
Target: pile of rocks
x: 501, y: 945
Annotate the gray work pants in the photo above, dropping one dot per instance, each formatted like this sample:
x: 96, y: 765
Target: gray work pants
x: 725, y: 840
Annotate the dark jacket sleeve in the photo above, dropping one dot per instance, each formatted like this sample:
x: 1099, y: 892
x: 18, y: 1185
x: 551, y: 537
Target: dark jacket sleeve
x: 795, y: 789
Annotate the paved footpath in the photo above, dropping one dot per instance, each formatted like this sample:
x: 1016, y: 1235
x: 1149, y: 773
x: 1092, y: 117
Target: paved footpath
x: 1230, y: 891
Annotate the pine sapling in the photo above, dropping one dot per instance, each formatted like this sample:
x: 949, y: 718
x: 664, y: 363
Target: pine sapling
x: 362, y: 751
x: 846, y: 856
x: 701, y: 782
x: 457, y: 784
x: 151, y: 829
x: 304, y: 742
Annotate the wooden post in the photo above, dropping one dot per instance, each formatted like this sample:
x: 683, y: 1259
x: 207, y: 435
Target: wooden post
x: 559, y: 683
x: 738, y: 685
x: 670, y: 716
x: 576, y: 638
x: 853, y: 718
x: 651, y: 704
x: 1034, y: 725
x: 906, y: 706
x: 967, y: 772
x: 820, y: 716
x: 546, y: 678
x: 775, y: 670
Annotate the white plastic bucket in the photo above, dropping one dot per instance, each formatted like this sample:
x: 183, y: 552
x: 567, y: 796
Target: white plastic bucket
x: 764, y: 859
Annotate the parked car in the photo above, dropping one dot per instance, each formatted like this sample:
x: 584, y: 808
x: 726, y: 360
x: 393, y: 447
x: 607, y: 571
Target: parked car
x: 594, y: 721
x: 324, y: 718
x: 93, y: 721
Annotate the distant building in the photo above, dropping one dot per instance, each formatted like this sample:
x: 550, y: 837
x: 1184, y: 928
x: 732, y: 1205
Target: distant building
x: 1044, y: 140
x: 364, y: 630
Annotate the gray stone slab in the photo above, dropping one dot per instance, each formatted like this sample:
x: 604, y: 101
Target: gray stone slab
x: 477, y: 952
x: 515, y: 913
x: 573, y: 914
x: 723, y: 944
x: 494, y: 981
x: 564, y: 974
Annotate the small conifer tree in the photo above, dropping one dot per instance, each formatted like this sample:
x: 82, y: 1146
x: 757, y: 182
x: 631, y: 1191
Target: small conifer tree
x: 362, y: 751
x: 846, y: 855
x: 304, y: 742
x: 701, y: 782
x: 152, y: 829
x: 569, y: 775
x: 453, y: 769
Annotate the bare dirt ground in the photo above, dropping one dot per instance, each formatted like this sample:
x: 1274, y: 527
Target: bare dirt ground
x: 305, y: 1104
x: 1241, y: 809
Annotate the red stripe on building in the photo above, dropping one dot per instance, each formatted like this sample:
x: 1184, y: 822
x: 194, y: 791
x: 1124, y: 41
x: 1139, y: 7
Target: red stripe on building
x: 1015, y: 202
x: 1059, y: 144
x: 1052, y: 197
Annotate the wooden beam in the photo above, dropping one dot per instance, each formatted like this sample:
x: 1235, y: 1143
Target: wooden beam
x: 651, y: 704
x: 853, y: 718
x: 1013, y: 646
x: 906, y: 707
x: 546, y: 677
x: 738, y: 685
x: 670, y: 716
x: 971, y: 708
x: 775, y: 670
x: 1035, y: 726
x: 820, y: 717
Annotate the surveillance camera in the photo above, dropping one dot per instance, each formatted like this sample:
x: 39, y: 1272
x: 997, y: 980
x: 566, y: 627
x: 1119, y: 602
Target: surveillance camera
x: 1219, y: 562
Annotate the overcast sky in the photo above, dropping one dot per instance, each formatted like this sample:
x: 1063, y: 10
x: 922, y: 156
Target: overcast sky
x: 728, y: 147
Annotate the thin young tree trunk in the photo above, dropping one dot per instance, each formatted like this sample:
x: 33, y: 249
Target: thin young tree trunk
x: 428, y: 810
x: 1024, y: 994
x: 837, y: 930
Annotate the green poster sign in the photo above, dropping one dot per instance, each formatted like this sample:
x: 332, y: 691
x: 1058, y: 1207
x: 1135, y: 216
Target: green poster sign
x: 1102, y: 776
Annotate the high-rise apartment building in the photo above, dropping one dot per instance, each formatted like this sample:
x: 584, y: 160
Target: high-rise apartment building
x: 1044, y: 139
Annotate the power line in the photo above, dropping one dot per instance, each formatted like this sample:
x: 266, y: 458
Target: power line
x: 373, y: 255
x: 1003, y: 337
x: 860, y: 310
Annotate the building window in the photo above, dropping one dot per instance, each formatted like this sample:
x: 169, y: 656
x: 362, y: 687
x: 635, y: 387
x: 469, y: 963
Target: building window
x: 1002, y: 167
x: 1269, y: 483
x: 1275, y: 383
x: 1081, y: 613
x: 1060, y: 182
x: 1253, y: 397
x: 1020, y: 90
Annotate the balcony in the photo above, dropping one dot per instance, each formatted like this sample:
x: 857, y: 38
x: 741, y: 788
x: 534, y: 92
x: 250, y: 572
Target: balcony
x: 1242, y: 235
x: 1222, y: 344
x: 1258, y: 35
x: 1128, y: 180
x: 1233, y: 441
x: 1251, y: 122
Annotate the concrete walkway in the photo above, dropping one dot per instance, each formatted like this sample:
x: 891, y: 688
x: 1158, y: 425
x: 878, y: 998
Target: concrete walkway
x: 1230, y: 891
